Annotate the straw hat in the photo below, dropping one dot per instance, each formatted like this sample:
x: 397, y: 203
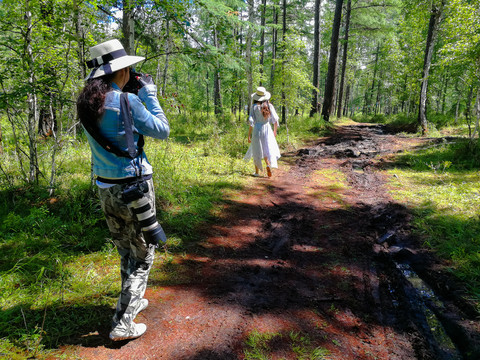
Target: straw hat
x: 261, y: 94
x: 109, y: 57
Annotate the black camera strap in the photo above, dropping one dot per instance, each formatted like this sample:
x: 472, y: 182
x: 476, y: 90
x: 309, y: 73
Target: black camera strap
x: 126, y: 117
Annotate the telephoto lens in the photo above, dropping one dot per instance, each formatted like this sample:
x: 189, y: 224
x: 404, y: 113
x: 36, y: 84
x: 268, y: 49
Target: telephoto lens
x: 151, y: 229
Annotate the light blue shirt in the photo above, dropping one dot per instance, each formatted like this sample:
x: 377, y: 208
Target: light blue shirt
x: 148, y: 120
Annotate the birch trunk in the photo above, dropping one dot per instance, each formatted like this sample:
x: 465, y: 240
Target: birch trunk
x: 248, y: 53
x: 32, y: 116
x: 128, y: 27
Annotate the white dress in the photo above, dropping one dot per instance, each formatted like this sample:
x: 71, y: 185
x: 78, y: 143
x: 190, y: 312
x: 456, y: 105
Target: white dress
x: 263, y: 142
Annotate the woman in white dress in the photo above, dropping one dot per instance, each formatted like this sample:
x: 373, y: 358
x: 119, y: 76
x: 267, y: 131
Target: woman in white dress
x: 263, y: 145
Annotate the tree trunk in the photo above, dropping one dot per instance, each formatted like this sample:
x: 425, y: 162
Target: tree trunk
x: 208, y: 93
x: 369, y: 95
x: 80, y: 33
x: 378, y: 105
x: 468, y: 111
x: 32, y: 116
x: 217, y: 95
x: 248, y: 54
x: 444, y: 94
x: 316, y: 58
x: 47, y: 120
x: 262, y: 39
x: 167, y: 50
x: 456, y: 110
x: 274, y: 45
x: 284, y: 37
x: 347, y: 96
x: 477, y: 113
x: 332, y: 63
x: 1, y: 140
x: 128, y: 27
x: 435, y: 17
x: 344, y: 58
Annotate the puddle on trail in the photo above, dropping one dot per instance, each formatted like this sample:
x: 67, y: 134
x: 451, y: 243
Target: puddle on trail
x: 425, y: 293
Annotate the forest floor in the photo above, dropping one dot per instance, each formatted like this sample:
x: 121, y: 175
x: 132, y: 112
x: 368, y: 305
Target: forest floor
x: 320, y: 259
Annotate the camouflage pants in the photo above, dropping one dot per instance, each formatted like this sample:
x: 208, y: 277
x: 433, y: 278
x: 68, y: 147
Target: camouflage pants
x: 136, y: 255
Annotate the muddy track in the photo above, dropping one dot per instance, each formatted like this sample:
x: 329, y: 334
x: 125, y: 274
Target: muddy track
x: 296, y: 254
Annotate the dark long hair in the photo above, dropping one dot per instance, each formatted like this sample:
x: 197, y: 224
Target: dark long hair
x: 91, y: 101
x: 265, y: 108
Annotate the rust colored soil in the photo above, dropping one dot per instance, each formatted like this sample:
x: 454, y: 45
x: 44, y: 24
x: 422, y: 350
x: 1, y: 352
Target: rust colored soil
x: 313, y: 251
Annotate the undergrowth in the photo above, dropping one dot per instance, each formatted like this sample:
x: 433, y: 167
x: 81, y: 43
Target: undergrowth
x: 59, y: 271
x: 441, y: 185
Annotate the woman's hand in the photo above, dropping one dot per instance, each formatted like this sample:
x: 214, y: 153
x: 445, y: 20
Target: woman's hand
x: 249, y: 139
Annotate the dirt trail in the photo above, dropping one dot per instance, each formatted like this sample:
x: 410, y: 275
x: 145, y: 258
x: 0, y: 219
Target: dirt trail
x: 299, y: 253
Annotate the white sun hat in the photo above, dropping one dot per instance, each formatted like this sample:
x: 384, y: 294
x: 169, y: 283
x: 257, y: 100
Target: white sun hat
x: 108, y: 57
x: 261, y: 94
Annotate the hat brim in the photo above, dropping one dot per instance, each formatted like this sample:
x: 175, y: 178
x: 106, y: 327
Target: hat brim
x: 257, y: 97
x: 115, y: 65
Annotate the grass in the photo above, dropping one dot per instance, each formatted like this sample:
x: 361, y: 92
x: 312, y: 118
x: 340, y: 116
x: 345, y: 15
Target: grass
x: 442, y: 187
x: 261, y: 346
x: 329, y: 184
x: 59, y: 272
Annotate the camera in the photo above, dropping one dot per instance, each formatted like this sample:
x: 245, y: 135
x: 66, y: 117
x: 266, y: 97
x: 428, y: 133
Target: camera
x: 133, y: 85
x: 133, y: 195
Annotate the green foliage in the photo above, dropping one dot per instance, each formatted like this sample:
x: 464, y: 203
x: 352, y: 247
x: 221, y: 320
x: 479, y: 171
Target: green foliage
x: 292, y: 78
x: 462, y: 33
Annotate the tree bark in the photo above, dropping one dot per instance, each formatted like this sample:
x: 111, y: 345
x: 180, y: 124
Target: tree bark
x: 347, y: 96
x: 369, y: 94
x: 248, y: 54
x: 477, y: 113
x: 217, y: 95
x: 344, y: 58
x: 167, y: 51
x: 332, y: 63
x: 262, y: 38
x: 47, y: 121
x: 128, y: 27
x: 435, y: 18
x: 208, y: 92
x: 468, y: 111
x: 284, y: 37
x: 32, y: 116
x: 316, y: 58
x: 274, y: 46
x: 444, y: 94
x: 80, y: 33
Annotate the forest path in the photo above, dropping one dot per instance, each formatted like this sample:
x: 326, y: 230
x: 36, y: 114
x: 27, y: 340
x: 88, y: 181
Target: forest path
x: 317, y: 256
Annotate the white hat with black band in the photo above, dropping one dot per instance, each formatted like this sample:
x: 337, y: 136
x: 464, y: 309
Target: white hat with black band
x: 108, y: 57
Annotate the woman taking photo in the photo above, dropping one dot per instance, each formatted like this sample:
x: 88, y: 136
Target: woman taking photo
x: 99, y: 110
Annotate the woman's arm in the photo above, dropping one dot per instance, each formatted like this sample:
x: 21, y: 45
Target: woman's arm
x: 275, y: 126
x: 250, y: 134
x: 274, y: 117
x: 149, y: 120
